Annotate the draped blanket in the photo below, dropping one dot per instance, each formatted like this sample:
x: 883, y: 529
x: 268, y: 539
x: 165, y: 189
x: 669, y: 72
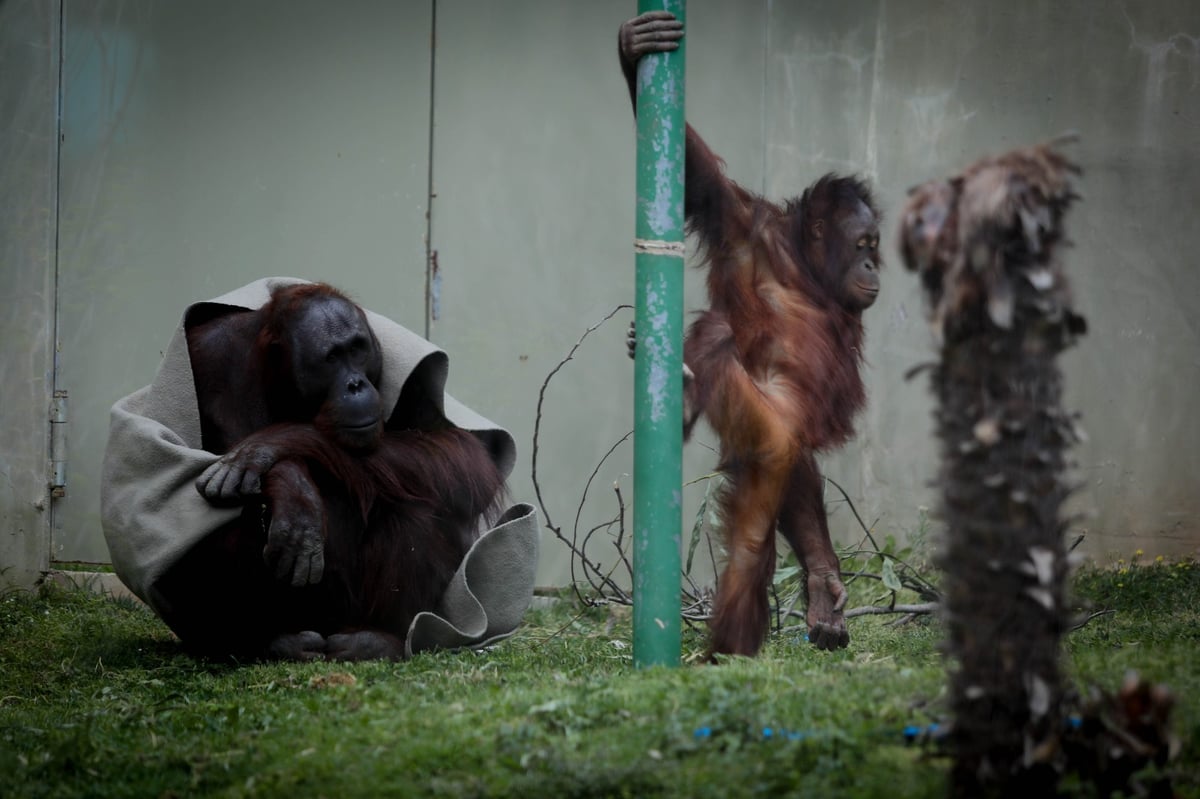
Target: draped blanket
x: 152, y: 513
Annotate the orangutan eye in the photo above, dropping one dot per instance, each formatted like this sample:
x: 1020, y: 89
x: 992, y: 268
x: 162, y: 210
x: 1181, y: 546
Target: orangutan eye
x: 862, y: 243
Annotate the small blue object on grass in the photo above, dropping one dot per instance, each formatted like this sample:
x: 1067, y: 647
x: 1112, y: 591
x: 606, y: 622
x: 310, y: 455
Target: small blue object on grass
x: 911, y: 733
x: 768, y: 733
x: 914, y: 731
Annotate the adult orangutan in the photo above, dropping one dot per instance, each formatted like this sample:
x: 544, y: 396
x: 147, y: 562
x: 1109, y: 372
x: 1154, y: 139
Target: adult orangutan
x: 775, y: 363
x: 352, y: 521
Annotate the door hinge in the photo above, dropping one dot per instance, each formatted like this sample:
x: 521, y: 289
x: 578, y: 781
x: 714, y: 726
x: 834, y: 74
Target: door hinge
x: 58, y: 445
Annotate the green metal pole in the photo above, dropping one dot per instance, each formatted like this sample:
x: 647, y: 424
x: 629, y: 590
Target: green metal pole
x: 658, y: 365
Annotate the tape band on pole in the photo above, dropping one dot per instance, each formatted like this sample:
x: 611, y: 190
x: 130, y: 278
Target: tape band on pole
x: 659, y: 247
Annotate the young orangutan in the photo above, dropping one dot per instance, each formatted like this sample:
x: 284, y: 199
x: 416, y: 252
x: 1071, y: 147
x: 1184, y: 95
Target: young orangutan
x: 774, y: 363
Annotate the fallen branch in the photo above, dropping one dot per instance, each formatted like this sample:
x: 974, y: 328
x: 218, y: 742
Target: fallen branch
x: 1079, y: 625
x: 922, y: 609
x: 872, y: 610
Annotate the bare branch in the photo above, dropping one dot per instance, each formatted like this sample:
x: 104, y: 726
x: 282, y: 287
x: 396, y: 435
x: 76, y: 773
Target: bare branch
x: 872, y: 610
x: 926, y: 589
x: 587, y: 486
x: 1079, y: 625
x: 854, y: 510
x: 537, y: 423
x: 537, y: 428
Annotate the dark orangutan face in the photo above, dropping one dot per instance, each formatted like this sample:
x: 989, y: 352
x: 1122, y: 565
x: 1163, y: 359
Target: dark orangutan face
x: 336, y: 365
x: 858, y: 231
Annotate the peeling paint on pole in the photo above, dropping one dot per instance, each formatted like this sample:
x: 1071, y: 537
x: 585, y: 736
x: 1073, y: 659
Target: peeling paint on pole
x: 661, y: 215
x: 658, y: 370
x: 661, y: 350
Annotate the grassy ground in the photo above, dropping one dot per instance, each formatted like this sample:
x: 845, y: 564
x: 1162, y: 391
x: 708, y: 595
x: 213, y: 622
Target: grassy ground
x: 97, y: 700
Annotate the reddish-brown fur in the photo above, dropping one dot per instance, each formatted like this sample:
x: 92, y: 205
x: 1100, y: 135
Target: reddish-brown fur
x: 776, y: 360
x: 397, y: 516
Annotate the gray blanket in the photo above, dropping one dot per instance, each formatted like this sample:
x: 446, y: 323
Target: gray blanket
x: 152, y: 513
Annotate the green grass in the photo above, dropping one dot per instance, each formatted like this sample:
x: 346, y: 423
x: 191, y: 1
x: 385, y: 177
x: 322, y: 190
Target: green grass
x: 97, y: 700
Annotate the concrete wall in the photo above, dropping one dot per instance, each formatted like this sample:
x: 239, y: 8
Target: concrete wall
x: 906, y: 91
x: 29, y: 51
x: 532, y: 218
